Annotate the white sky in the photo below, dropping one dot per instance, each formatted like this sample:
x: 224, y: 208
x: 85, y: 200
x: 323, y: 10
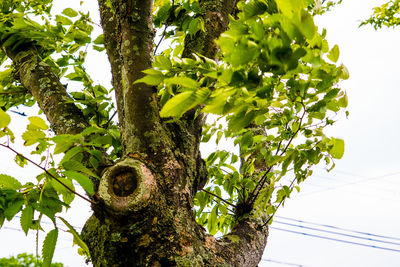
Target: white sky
x: 355, y: 195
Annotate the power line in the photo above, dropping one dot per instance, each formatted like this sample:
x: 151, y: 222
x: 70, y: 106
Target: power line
x: 331, y: 179
x: 20, y: 230
x: 365, y: 179
x: 335, y: 239
x: 283, y: 262
x: 50, y: 223
x: 337, y: 233
x: 339, y: 228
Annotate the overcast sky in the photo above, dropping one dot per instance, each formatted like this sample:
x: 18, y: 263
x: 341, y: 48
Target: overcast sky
x: 361, y: 194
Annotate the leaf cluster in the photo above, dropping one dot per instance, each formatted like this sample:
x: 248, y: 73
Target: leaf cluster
x: 25, y: 260
x: 385, y: 15
x: 276, y: 86
x: 43, y: 198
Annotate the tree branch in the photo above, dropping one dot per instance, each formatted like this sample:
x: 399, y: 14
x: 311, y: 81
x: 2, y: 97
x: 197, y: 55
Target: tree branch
x: 216, y: 17
x: 128, y: 38
x: 39, y: 79
x: 48, y: 173
x: 220, y: 198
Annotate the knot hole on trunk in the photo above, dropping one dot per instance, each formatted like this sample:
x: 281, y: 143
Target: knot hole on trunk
x: 124, y: 181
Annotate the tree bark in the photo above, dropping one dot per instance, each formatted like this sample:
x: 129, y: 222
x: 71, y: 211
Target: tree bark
x: 39, y: 79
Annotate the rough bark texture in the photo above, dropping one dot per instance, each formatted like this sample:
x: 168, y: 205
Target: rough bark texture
x: 39, y: 79
x: 145, y: 212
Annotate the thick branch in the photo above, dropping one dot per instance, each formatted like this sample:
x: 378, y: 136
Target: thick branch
x: 246, y: 242
x: 128, y: 36
x: 39, y: 79
x: 216, y: 18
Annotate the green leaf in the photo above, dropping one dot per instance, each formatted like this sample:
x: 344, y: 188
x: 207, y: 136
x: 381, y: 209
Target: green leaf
x: 4, y: 119
x: 77, y: 166
x: 2, y: 218
x: 182, y: 102
x: 212, y: 221
x: 77, y: 238
x: 63, y: 142
x: 70, y: 12
x: 32, y: 136
x: 67, y: 195
x: 99, y: 40
x: 62, y: 146
x: 290, y: 8
x: 343, y: 101
x: 26, y: 218
x: 344, y: 74
x: 254, y: 8
x: 71, y: 153
x: 241, y: 120
x: 194, y: 26
x: 99, y: 48
x: 307, y: 25
x: 13, y: 208
x: 49, y: 246
x: 334, y: 54
x: 151, y: 79
x: 337, y: 149
x: 162, y: 62
x: 9, y: 182
x: 82, y: 179
x: 63, y: 20
x: 182, y: 81
x: 20, y: 160
x: 37, y: 123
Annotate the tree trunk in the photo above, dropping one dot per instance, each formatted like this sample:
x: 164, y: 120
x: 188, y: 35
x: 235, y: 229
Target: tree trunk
x: 145, y: 216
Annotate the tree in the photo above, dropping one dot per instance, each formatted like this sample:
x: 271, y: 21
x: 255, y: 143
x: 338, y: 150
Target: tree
x: 385, y: 15
x: 24, y: 260
x: 261, y: 67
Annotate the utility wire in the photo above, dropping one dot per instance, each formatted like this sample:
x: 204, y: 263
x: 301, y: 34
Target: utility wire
x: 339, y: 228
x: 50, y: 223
x: 20, y: 230
x: 355, y: 182
x: 335, y: 239
x: 333, y: 180
x: 283, y: 262
x: 337, y: 233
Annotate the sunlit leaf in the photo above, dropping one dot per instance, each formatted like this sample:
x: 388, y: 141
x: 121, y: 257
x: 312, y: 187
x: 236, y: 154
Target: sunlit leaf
x: 49, y: 246
x: 9, y: 182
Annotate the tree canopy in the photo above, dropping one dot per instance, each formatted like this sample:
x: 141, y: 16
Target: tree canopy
x: 261, y: 70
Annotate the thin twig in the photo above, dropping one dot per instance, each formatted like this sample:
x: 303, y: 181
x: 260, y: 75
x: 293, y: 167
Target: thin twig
x: 280, y: 203
x: 110, y: 119
x: 18, y: 113
x: 263, y: 179
x: 294, y: 135
x: 280, y: 142
x: 162, y: 37
x: 227, y: 202
x: 48, y: 173
x: 259, y: 186
x: 165, y: 29
x: 97, y: 106
x: 226, y: 207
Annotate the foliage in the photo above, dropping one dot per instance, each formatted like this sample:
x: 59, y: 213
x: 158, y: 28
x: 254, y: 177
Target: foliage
x: 273, y: 74
x: 385, y: 15
x: 273, y: 90
x: 24, y: 260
